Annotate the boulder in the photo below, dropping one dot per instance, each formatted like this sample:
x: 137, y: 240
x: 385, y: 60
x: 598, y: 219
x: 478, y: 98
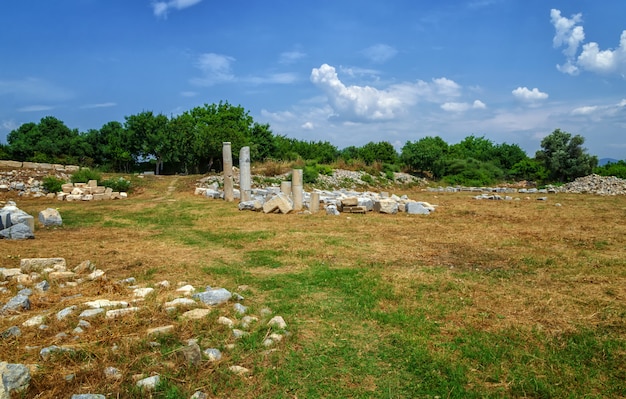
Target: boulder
x: 254, y: 205
x: 213, y: 296
x: 17, y: 232
x: 331, y: 209
x: 416, y: 208
x: 15, y: 377
x: 15, y: 304
x: 279, y: 202
x: 50, y: 217
x: 386, y: 205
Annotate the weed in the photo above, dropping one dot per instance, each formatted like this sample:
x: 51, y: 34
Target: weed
x: 52, y: 184
x: 84, y: 175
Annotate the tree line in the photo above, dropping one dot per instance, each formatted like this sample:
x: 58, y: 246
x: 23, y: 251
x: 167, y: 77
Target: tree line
x: 192, y: 143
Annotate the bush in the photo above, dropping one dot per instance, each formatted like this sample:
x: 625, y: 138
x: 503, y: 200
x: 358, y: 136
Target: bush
x: 117, y: 184
x: 309, y: 174
x: 84, y: 175
x: 325, y: 170
x: 617, y: 169
x: 52, y: 184
x: 367, y: 178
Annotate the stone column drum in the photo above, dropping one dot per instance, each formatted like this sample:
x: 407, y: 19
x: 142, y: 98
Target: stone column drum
x: 245, y: 178
x: 314, y: 206
x: 285, y: 188
x: 297, y: 190
x: 227, y: 156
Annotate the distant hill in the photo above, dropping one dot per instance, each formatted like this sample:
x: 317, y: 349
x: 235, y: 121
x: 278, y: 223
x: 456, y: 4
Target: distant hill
x: 604, y: 161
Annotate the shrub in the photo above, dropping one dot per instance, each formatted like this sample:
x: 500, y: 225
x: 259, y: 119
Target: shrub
x: 617, y: 169
x: 52, y: 184
x: 367, y: 178
x: 325, y: 170
x: 309, y: 174
x: 84, y: 175
x: 117, y: 184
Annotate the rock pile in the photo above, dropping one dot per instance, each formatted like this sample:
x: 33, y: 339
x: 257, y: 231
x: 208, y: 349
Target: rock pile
x: 26, y: 178
x: 36, y: 277
x: 595, y: 184
x: 340, y: 178
x: 87, y: 192
x: 592, y: 184
x: 28, y: 182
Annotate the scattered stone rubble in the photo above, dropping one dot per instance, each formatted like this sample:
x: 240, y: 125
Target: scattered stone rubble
x: 274, y: 199
x: 592, y: 184
x: 87, y: 192
x: 34, y: 278
x: 26, y: 178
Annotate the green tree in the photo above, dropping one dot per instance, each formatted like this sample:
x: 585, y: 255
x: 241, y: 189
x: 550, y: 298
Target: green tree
x: 5, y: 152
x: 382, y: 152
x: 182, y: 135
x: 262, y: 142
x: 48, y: 141
x: 426, y: 155
x: 564, y: 157
x: 528, y: 169
x: 507, y: 155
x: 617, y: 169
x: 349, y: 153
x: 215, y: 124
x: 23, y: 141
x: 151, y: 137
x: 478, y: 148
x: 120, y: 149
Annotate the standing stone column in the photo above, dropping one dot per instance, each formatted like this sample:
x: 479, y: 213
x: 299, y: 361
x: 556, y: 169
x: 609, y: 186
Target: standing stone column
x: 297, y: 189
x: 285, y: 188
x: 314, y: 206
x: 227, y: 155
x: 245, y: 180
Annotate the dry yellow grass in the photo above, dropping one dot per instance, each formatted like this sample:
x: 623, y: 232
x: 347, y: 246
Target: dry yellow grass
x: 527, y: 265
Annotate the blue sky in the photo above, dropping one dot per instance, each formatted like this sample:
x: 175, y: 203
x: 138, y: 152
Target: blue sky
x: 347, y: 71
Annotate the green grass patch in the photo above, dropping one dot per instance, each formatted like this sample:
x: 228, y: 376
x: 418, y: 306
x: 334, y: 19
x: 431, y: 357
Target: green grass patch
x: 263, y: 258
x: 575, y: 364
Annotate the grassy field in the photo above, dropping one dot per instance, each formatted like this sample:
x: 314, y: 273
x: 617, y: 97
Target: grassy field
x: 479, y: 299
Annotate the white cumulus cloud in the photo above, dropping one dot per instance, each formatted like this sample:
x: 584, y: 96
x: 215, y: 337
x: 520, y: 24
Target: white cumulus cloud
x: 162, y: 8
x: 462, y: 106
x: 593, y: 59
x: 366, y: 103
x: 526, y: 95
x: 586, y: 110
x: 570, y: 34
